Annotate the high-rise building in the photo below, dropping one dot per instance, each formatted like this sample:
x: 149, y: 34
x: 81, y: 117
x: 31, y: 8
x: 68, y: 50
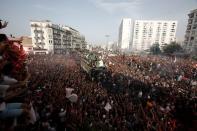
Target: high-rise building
x: 51, y: 38
x: 191, y: 32
x: 145, y: 33
x: 125, y: 34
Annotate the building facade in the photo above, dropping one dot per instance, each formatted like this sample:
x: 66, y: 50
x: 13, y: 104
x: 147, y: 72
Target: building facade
x: 51, y: 38
x: 125, y: 34
x: 190, y: 41
x: 145, y: 33
x: 27, y: 44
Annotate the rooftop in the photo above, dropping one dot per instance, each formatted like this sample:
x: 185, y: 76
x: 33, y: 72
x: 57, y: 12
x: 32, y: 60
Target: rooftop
x: 193, y: 11
x: 40, y: 21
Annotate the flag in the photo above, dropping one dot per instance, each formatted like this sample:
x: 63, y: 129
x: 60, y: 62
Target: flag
x: 68, y: 92
x: 107, y: 107
x: 32, y: 115
x: 193, y: 83
x: 140, y: 94
x: 175, y: 60
x: 73, y: 98
x: 180, y: 78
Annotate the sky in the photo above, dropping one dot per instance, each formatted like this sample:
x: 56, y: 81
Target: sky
x: 93, y: 18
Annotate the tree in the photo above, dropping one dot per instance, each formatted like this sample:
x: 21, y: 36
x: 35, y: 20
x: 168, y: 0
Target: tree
x: 155, y: 49
x: 172, y: 48
x: 3, y: 24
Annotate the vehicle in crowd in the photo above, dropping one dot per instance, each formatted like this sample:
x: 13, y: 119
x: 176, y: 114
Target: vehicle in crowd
x: 93, y: 65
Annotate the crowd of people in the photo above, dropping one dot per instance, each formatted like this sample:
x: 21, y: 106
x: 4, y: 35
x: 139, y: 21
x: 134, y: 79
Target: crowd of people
x: 131, y: 96
x: 162, y: 71
x: 137, y: 93
x: 175, y: 78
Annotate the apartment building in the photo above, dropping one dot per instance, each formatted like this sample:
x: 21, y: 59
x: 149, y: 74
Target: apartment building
x: 125, y: 34
x: 51, y: 38
x: 190, y: 41
x: 145, y: 33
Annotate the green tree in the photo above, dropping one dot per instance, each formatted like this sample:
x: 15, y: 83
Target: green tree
x: 155, y: 49
x: 172, y: 48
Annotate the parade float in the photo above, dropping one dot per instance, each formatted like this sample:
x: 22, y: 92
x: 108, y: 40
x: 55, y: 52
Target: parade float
x: 93, y: 65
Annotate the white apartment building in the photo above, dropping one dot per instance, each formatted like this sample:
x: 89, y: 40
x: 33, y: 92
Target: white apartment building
x: 125, y: 34
x: 191, y: 32
x: 50, y: 38
x: 145, y: 33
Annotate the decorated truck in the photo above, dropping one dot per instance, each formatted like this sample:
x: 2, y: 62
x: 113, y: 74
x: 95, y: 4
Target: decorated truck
x: 93, y: 65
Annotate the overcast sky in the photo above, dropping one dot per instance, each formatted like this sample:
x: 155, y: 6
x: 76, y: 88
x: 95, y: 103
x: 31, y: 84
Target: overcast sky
x: 93, y: 18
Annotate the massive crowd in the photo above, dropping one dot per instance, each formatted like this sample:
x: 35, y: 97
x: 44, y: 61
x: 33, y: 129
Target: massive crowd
x: 166, y: 72
x: 173, y: 78
x: 137, y: 93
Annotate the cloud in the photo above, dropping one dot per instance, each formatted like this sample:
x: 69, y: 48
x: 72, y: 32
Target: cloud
x: 114, y: 6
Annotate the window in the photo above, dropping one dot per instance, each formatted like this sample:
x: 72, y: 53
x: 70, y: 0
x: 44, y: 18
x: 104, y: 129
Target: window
x: 189, y: 27
x: 191, y: 15
x: 49, y: 30
x: 195, y: 20
x: 50, y: 36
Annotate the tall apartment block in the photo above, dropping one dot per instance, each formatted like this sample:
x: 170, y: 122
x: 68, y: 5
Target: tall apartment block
x: 125, y: 33
x: 145, y: 33
x: 191, y: 32
x: 51, y: 38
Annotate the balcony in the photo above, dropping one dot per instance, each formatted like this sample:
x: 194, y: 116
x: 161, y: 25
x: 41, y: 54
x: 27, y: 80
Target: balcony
x: 195, y: 20
x: 40, y: 44
x: 192, y: 38
x: 48, y: 26
x: 188, y: 31
x: 190, y: 21
x: 42, y: 38
x: 36, y: 37
x: 38, y: 31
x: 187, y: 35
x: 191, y: 15
x: 194, y: 27
x: 189, y: 27
x: 34, y: 25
